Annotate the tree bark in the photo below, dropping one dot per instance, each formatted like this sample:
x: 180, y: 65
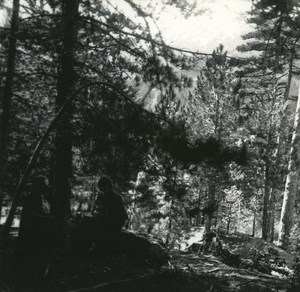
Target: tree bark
x: 66, y: 81
x: 7, y: 93
x: 254, y: 223
x: 229, y: 219
x: 10, y: 71
x: 211, y: 200
x: 290, y: 212
x: 266, y: 206
x: 170, y: 224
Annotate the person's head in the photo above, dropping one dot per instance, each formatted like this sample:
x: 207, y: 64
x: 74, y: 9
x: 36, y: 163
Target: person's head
x: 105, y: 184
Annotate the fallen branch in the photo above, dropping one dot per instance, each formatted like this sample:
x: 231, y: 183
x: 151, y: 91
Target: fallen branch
x: 213, y: 270
x: 245, y: 282
x: 105, y: 284
x: 266, y: 287
x: 258, y: 274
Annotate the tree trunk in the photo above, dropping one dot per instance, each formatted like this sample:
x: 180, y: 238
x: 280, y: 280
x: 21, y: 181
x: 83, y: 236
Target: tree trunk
x: 278, y: 42
x: 269, y: 199
x: 198, y: 218
x: 271, y: 181
x: 266, y: 207
x: 217, y: 118
x: 6, y: 97
x: 289, y: 220
x: 66, y: 80
x: 170, y: 225
x: 254, y: 223
x: 272, y: 215
x: 239, y: 216
x: 10, y: 71
x: 229, y: 219
x: 208, y: 217
x: 216, y: 217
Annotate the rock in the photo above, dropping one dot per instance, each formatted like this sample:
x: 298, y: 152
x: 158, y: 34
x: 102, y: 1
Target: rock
x: 142, y: 249
x: 135, y: 246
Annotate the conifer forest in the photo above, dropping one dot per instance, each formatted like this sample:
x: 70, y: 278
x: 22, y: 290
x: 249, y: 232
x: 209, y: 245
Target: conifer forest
x: 133, y: 161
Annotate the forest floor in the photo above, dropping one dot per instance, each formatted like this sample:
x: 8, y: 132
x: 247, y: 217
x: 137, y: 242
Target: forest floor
x: 262, y: 267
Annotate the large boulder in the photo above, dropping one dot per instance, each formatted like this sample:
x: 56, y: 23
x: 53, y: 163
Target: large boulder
x: 140, y: 248
x: 86, y: 234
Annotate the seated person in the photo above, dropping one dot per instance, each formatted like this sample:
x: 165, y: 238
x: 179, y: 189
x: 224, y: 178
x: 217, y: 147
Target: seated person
x: 109, y: 216
x: 109, y: 208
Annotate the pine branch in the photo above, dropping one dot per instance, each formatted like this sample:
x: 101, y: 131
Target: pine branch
x: 38, y: 16
x: 152, y: 41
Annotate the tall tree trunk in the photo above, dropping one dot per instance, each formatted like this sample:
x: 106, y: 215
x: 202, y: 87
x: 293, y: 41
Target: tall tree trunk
x: 272, y: 214
x: 278, y: 41
x: 239, y: 216
x: 229, y: 219
x: 7, y: 93
x: 170, y: 224
x: 271, y: 181
x: 198, y: 218
x: 266, y: 205
x: 66, y: 81
x: 254, y: 223
x: 290, y: 212
x: 211, y: 200
x: 268, y: 200
x: 10, y: 71
x: 217, y: 117
x: 272, y: 161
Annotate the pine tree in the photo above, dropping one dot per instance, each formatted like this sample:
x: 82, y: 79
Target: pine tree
x: 113, y: 55
x: 275, y: 40
x: 65, y: 84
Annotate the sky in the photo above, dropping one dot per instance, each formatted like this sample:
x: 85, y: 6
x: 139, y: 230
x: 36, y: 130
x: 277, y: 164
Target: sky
x: 222, y: 22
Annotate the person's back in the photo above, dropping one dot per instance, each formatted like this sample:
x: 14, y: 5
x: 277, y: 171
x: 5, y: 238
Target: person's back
x: 33, y: 227
x: 97, y: 209
x: 116, y: 214
x: 113, y: 214
x: 32, y: 209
